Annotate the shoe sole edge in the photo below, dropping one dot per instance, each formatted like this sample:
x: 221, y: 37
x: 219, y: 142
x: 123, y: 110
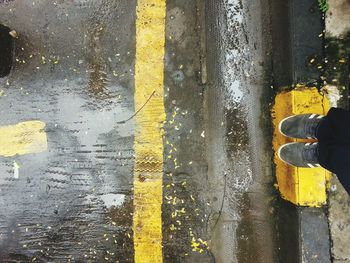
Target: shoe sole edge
x: 310, y: 166
x: 280, y: 126
x: 279, y: 152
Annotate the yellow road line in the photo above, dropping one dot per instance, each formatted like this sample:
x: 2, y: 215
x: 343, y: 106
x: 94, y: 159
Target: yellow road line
x: 148, y: 170
x: 23, y: 138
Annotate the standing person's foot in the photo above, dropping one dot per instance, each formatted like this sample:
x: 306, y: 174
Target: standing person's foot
x: 303, y: 126
x: 299, y: 154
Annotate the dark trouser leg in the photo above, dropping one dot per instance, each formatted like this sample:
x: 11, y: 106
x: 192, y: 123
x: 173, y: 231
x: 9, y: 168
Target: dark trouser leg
x: 334, y: 144
x: 6, y: 51
x: 335, y: 126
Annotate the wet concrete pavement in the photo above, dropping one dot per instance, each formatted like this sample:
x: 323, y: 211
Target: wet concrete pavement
x: 239, y: 93
x: 74, y: 71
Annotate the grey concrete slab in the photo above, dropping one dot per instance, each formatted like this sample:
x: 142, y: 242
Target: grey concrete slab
x: 314, y: 235
x: 337, y: 18
x: 297, y: 25
x: 339, y: 221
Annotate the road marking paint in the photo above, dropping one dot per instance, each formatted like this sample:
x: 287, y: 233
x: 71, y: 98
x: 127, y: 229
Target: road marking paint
x: 23, y: 138
x: 148, y: 170
x: 301, y: 186
x: 15, y: 170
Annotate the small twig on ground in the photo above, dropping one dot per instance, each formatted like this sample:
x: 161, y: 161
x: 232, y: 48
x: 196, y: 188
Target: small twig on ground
x: 121, y: 122
x: 222, y: 203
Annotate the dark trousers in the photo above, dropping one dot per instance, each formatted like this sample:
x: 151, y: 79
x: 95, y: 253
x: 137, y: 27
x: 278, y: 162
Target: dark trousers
x: 6, y: 50
x: 334, y: 144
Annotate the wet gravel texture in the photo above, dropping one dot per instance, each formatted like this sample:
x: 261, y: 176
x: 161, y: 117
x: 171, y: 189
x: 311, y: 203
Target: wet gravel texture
x: 238, y: 96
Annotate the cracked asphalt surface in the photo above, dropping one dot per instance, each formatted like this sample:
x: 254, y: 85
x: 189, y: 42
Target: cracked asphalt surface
x: 74, y: 70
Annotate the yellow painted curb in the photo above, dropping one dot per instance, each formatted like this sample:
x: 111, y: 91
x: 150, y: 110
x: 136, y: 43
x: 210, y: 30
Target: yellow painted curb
x: 301, y: 186
x: 150, y: 117
x: 23, y: 138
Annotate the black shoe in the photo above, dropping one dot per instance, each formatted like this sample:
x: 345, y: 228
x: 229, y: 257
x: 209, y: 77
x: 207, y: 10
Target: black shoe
x: 299, y: 154
x: 303, y: 126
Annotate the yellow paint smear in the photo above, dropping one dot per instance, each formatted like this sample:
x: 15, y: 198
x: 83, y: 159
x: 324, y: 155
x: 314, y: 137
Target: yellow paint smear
x: 301, y: 186
x: 23, y: 138
x: 148, y: 170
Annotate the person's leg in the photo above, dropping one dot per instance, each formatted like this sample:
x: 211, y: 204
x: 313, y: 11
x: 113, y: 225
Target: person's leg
x: 335, y: 157
x: 334, y: 144
x: 6, y: 51
x: 335, y: 127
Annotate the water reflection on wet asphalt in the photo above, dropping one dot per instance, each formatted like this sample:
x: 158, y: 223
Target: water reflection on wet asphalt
x: 74, y: 71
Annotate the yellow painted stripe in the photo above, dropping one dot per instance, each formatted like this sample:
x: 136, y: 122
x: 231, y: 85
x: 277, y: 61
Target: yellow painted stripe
x: 148, y: 170
x: 301, y: 186
x: 23, y: 138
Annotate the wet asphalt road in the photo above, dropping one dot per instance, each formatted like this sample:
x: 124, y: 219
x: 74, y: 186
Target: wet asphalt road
x: 74, y: 70
x: 68, y: 75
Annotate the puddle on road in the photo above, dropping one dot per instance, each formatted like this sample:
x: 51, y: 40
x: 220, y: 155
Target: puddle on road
x: 122, y: 215
x: 113, y: 200
x: 61, y: 79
